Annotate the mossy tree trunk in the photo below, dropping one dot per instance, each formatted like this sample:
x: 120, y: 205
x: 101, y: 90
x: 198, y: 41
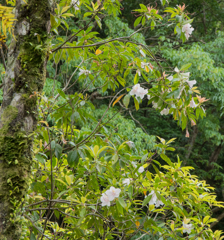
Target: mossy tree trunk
x: 25, y: 75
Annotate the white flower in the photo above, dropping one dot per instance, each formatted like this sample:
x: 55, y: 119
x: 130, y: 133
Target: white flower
x: 165, y: 111
x: 135, y: 89
x: 148, y: 96
x: 130, y: 144
x: 170, y: 78
x: 187, y: 29
x: 141, y: 170
x: 142, y: 92
x: 142, y: 53
x: 105, y: 200
x: 192, y: 103
x: 138, y: 91
x: 154, y: 105
x: 191, y: 83
x: 158, y: 203
x: 113, y: 193
x: 144, y: 64
x: 176, y: 70
x: 83, y: 71
x: 185, y: 75
x: 76, y: 4
x: 138, y: 72
x: 188, y: 228
x: 155, y: 200
x: 126, y: 181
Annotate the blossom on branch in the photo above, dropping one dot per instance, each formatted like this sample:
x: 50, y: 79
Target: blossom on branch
x: 188, y: 228
x: 130, y: 144
x: 141, y: 170
x: 105, y: 200
x: 155, y: 200
x: 170, y: 78
x: 165, y: 111
x: 83, y: 71
x: 126, y: 181
x: 193, y: 104
x: 191, y: 83
x: 138, y: 91
x: 113, y: 193
x: 76, y: 4
x: 187, y: 29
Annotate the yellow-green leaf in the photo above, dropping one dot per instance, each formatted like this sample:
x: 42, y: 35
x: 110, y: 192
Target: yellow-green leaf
x: 118, y: 99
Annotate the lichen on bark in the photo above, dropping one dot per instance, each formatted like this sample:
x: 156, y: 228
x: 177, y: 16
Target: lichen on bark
x: 25, y: 73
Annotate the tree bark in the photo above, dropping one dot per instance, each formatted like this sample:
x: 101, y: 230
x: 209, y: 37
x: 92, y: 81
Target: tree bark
x: 25, y: 74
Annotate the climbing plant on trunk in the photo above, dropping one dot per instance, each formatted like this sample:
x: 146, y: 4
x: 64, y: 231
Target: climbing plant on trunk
x: 25, y: 75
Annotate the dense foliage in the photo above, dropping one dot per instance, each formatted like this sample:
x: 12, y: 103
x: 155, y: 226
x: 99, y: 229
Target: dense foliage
x: 121, y: 119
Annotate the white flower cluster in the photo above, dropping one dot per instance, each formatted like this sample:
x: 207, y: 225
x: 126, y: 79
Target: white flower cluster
x: 109, y: 196
x: 188, y: 228
x: 76, y: 4
x: 192, y: 103
x: 155, y: 200
x: 126, y: 181
x: 187, y: 29
x: 148, y: 65
x: 165, y: 111
x: 191, y: 83
x: 138, y: 91
x: 185, y: 77
x: 130, y: 144
x: 83, y: 71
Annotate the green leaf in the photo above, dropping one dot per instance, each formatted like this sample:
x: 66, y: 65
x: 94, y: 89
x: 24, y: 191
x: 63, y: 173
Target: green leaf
x: 136, y: 104
x: 143, y: 21
x: 185, y: 67
x: 144, y: 158
x: 54, y: 162
x: 73, y: 158
x: 166, y: 159
x: 32, y: 236
x: 136, y: 78
x: 146, y: 200
x: 153, y: 24
x: 130, y: 191
x: 119, y: 207
x: 122, y: 202
x: 126, y: 100
x: 40, y: 159
x: 137, y: 21
x: 52, y: 144
x: 58, y: 151
x: 121, y: 80
x: 61, y: 93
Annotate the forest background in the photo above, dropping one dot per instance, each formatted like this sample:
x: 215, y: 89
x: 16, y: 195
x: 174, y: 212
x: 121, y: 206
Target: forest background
x: 199, y: 146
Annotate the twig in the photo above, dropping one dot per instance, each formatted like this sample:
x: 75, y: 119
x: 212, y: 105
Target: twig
x: 137, y: 122
x: 43, y: 235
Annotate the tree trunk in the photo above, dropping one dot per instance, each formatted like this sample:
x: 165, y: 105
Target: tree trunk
x: 214, y: 157
x: 25, y: 75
